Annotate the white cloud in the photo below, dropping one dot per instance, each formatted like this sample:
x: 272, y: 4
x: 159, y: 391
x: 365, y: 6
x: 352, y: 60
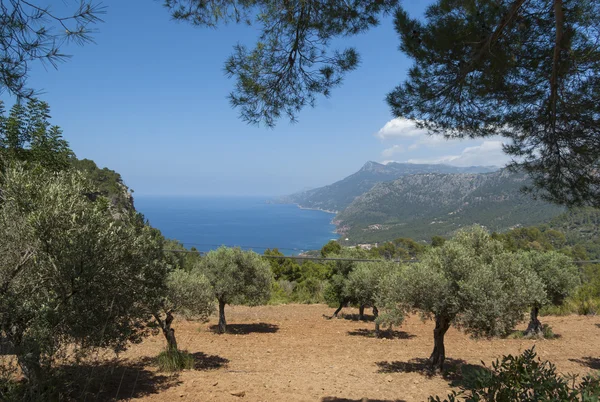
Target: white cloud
x: 399, y: 128
x: 396, y: 149
x: 488, y: 153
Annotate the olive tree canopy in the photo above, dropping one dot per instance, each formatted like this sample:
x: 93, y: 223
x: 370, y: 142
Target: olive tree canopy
x: 236, y: 277
x: 471, y: 282
x: 73, y: 272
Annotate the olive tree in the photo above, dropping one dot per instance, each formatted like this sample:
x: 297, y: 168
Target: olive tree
x: 188, y: 293
x: 470, y: 282
x: 337, y: 286
x: 559, y: 277
x: 236, y: 277
x: 364, y: 286
x: 71, y: 273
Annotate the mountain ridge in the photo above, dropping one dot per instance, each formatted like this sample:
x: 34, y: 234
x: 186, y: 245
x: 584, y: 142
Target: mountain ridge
x: 338, y: 195
x: 383, y: 202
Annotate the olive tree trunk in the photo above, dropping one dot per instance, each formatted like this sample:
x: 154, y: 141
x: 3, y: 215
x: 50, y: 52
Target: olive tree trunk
x: 342, y: 304
x: 28, y: 358
x: 377, y: 329
x: 535, y: 326
x: 222, y: 322
x: 361, y: 312
x: 168, y: 332
x: 439, y: 351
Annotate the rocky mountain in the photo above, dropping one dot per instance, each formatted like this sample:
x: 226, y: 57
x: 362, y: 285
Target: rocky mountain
x: 337, y: 196
x: 422, y: 205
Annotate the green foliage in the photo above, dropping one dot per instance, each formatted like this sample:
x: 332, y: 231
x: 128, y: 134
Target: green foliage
x: 526, y: 70
x: 332, y: 247
x: 282, y: 268
x: 189, y: 294
x: 297, y: 281
x: 236, y: 276
x: 586, y: 300
x: 524, y: 378
x: 27, y: 136
x: 181, y: 258
x: 401, y: 248
x: 557, y: 273
x: 366, y: 286
x: 72, y: 273
x: 337, y: 293
x: 470, y: 282
x: 174, y: 360
x: 437, y: 241
x: 32, y: 32
x: 581, y: 227
x: 291, y: 63
x: 107, y: 183
x: 364, y: 282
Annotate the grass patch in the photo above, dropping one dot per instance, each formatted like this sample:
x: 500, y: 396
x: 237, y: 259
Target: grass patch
x: 173, y: 360
x: 547, y: 333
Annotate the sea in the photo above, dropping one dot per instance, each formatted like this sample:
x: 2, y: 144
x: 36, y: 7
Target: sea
x: 248, y: 222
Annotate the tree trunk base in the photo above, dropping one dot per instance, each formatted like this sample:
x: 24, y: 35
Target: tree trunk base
x: 535, y: 329
x: 222, y: 328
x: 336, y: 312
x: 436, y: 360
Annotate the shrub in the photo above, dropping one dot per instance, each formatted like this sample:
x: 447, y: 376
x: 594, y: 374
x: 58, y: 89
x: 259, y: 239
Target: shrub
x: 172, y: 360
x: 525, y: 378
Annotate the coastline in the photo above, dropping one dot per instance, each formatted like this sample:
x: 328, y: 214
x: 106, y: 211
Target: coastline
x: 316, y: 209
x: 338, y: 230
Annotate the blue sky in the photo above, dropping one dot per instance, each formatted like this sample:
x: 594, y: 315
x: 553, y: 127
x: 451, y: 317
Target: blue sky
x: 149, y: 101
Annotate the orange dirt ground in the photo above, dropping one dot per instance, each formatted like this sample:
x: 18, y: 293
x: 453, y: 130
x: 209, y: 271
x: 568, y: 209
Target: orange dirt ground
x: 293, y: 353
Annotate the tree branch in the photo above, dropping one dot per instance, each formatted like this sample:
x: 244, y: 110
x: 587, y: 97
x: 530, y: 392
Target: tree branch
x: 559, y: 21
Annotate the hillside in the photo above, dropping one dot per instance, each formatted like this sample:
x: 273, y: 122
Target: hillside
x: 420, y: 206
x: 337, y: 196
x: 108, y: 182
x: 581, y: 226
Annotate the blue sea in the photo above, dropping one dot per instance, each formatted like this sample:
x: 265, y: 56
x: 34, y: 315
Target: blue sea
x: 249, y: 222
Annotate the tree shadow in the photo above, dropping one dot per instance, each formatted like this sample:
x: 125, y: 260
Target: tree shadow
x: 208, y: 362
x: 598, y: 325
x: 6, y: 348
x: 588, y: 361
x: 245, y: 329
x: 112, y: 380
x: 457, y: 372
x: 520, y: 334
x: 356, y: 317
x: 336, y: 399
x: 386, y: 334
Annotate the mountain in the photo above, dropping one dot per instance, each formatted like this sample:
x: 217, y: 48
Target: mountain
x: 337, y: 196
x: 422, y: 205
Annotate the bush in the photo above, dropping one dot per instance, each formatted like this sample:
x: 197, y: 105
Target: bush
x: 309, y: 291
x: 525, y: 378
x: 173, y: 360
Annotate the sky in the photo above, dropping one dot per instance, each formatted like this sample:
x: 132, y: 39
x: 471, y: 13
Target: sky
x: 149, y: 100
